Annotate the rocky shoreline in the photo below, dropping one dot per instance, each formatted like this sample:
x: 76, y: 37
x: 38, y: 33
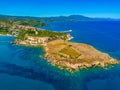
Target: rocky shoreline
x: 87, y: 57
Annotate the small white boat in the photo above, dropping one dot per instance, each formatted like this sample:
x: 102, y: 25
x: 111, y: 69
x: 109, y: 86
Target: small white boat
x: 68, y: 30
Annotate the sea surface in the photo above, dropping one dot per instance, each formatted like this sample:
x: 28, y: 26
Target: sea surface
x: 21, y: 68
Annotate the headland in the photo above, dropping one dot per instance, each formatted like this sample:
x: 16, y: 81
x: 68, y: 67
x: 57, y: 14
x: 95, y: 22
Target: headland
x: 59, y: 51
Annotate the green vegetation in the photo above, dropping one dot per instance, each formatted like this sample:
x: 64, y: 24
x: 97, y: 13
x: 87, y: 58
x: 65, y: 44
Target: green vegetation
x: 26, y: 21
x: 21, y: 35
x: 4, y: 30
x: 69, y: 51
x: 41, y: 33
x: 49, y: 33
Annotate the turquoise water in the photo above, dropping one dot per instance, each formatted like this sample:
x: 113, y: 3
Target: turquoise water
x: 21, y: 68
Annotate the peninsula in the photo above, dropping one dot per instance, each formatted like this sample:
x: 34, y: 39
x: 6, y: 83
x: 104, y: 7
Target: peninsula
x: 67, y: 55
x: 58, y: 50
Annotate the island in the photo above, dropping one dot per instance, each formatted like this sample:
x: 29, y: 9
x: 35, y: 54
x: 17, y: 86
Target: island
x: 59, y: 51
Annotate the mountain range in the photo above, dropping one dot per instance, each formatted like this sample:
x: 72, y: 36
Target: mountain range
x: 52, y: 19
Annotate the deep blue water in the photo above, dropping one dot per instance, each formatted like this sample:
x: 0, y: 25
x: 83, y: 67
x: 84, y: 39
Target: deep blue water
x: 21, y: 68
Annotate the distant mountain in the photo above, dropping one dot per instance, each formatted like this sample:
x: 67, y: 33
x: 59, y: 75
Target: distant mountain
x: 50, y: 19
x: 67, y: 18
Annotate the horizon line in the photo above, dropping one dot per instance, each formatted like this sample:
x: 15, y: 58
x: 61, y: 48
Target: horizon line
x: 57, y: 16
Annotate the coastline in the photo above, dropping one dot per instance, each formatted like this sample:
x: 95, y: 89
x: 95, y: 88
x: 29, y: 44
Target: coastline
x: 5, y: 35
x: 63, y: 61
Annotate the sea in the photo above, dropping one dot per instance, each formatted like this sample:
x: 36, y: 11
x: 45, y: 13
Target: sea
x: 23, y: 68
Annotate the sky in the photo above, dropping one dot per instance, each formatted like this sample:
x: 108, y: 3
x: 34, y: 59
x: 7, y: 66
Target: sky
x: 47, y: 8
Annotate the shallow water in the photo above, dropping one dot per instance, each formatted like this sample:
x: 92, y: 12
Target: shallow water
x: 21, y: 68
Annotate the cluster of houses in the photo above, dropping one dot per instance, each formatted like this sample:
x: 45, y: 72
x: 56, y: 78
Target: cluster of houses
x: 34, y: 41
x: 15, y: 28
x: 21, y: 27
x: 37, y: 40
